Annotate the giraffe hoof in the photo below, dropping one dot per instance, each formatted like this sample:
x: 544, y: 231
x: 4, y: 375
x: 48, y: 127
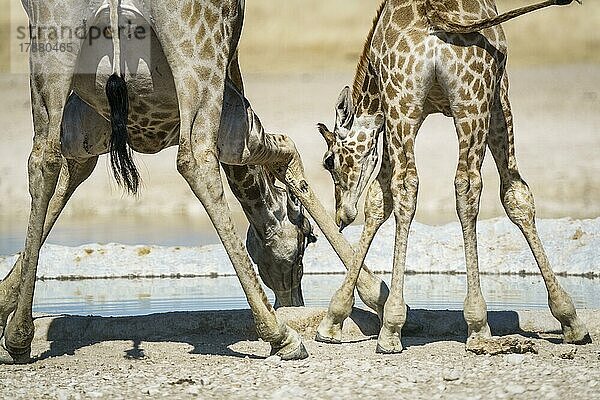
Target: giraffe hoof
x: 324, y: 339
x: 299, y: 353
x: 382, y: 350
x: 13, y: 356
x: 576, y: 333
x: 587, y: 339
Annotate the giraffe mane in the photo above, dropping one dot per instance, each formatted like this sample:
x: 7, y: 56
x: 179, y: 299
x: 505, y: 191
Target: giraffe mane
x: 363, y: 62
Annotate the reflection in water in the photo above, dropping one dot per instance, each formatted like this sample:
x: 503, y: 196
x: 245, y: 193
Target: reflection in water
x: 120, y: 297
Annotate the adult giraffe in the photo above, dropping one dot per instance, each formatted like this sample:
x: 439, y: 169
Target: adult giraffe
x: 424, y: 57
x: 182, y: 87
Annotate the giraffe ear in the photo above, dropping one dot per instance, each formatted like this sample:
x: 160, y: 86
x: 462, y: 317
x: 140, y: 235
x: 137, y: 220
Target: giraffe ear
x: 344, y: 109
x: 327, y: 134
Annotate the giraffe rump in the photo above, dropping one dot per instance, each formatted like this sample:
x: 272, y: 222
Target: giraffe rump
x: 121, y: 157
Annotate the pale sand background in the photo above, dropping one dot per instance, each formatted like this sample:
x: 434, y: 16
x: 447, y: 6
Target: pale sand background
x: 298, y: 54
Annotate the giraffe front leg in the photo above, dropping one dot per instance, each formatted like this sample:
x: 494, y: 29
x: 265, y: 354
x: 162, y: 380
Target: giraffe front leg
x: 404, y: 189
x: 288, y: 168
x: 249, y: 144
x: 9, y: 293
x: 378, y: 208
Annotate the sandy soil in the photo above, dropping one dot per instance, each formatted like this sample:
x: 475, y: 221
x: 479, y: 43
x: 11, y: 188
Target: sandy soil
x: 157, y: 357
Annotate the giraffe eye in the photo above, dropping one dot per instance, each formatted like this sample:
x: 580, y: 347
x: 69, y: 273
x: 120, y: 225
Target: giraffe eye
x: 328, y: 163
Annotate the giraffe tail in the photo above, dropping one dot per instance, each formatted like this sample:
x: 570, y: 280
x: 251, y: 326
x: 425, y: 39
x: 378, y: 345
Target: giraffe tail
x: 121, y: 157
x: 440, y: 18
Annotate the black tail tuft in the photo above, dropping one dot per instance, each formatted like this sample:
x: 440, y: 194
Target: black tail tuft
x: 121, y: 159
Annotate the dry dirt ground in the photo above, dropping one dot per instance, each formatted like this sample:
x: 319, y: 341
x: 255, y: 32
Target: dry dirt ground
x: 209, y: 355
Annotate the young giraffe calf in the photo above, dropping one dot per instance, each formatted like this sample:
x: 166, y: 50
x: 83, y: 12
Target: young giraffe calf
x: 411, y: 68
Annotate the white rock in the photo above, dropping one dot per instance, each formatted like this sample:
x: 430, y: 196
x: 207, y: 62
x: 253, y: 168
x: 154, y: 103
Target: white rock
x: 290, y: 392
x: 193, y: 390
x: 451, y: 375
x: 432, y: 249
x: 152, y: 391
x: 514, y: 359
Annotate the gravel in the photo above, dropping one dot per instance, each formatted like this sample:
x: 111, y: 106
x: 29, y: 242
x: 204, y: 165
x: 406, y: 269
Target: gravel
x: 208, y: 365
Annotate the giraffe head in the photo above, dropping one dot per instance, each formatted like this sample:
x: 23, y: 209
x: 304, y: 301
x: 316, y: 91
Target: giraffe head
x: 351, y: 155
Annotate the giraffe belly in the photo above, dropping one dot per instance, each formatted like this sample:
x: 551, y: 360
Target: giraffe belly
x: 84, y: 133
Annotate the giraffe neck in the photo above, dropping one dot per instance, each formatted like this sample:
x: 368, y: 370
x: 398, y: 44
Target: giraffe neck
x: 365, y: 89
x: 267, y: 216
x: 367, y: 100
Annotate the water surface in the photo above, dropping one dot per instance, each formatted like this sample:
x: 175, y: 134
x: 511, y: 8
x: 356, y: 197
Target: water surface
x: 128, y: 297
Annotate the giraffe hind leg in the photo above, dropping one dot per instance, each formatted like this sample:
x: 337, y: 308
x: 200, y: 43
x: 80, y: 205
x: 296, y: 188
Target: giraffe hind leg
x: 72, y: 174
x: 518, y: 203
x: 198, y: 163
x: 77, y: 118
x: 472, y: 126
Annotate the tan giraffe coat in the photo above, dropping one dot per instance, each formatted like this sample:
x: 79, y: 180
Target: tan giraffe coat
x: 411, y: 68
x: 172, y: 92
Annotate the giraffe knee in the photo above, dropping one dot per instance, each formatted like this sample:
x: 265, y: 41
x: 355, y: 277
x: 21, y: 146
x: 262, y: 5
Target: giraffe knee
x: 407, y: 186
x: 200, y: 169
x: 467, y: 184
x: 185, y: 162
x: 377, y: 203
x: 405, y: 195
x: 43, y: 168
x: 411, y: 183
x: 518, y: 203
x: 468, y: 189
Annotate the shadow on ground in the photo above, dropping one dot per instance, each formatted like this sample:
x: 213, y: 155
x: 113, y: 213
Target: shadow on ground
x: 212, y: 332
